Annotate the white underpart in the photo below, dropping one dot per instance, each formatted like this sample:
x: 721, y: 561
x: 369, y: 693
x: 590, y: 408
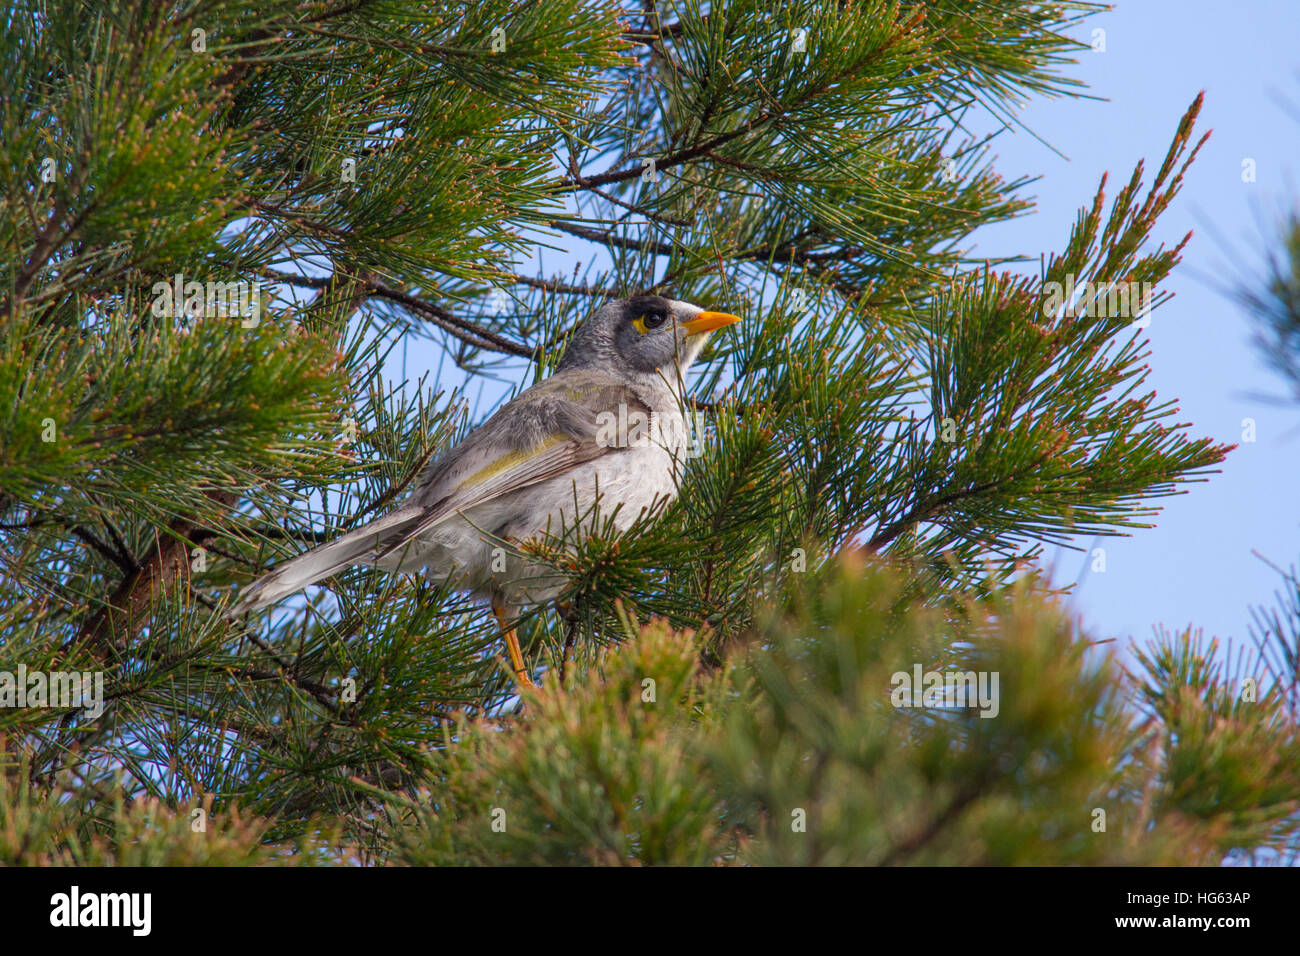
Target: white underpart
x: 478, y: 547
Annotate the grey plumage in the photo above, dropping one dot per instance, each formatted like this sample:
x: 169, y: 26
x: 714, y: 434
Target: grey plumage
x: 537, y: 464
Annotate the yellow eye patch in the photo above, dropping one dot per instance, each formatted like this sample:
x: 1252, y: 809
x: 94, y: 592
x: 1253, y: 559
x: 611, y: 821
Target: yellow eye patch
x: 640, y: 324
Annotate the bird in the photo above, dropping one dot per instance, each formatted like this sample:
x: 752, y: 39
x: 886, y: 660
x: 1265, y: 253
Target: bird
x: 607, y: 429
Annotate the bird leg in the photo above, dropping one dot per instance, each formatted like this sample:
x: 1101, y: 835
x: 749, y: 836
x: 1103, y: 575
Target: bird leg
x: 565, y: 609
x: 512, y: 645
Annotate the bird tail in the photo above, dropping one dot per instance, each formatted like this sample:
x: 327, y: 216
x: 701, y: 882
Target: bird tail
x: 360, y: 546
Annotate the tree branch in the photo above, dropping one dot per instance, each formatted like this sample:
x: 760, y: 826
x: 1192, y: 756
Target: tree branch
x: 166, y: 564
x: 608, y: 238
x: 564, y: 288
x: 462, y: 328
x: 121, y: 559
x: 579, y: 183
x: 465, y: 330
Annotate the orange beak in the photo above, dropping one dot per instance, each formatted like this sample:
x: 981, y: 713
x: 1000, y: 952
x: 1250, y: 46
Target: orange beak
x: 707, y: 322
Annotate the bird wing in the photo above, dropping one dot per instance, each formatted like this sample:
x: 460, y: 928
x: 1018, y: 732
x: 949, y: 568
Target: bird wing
x: 545, y: 432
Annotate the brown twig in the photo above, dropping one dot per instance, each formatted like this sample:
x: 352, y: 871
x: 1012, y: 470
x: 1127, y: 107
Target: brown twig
x: 166, y: 565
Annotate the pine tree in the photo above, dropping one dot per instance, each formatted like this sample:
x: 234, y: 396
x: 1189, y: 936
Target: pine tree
x: 892, y: 434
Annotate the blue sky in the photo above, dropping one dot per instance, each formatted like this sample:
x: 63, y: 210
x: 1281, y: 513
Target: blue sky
x: 1196, y: 567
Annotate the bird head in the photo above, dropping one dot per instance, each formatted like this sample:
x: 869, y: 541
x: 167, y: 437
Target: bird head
x: 645, y: 334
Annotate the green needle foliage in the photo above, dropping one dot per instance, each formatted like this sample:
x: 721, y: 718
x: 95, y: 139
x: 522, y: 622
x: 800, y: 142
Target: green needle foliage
x: 220, y: 218
x: 794, y: 754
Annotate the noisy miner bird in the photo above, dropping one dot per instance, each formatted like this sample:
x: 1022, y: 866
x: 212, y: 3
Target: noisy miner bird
x: 537, y: 467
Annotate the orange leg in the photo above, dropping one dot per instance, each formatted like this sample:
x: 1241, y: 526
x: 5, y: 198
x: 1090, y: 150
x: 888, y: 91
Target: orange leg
x: 512, y: 646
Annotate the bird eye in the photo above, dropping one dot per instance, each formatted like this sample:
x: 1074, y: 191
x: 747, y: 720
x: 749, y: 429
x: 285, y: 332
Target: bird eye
x: 651, y: 320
